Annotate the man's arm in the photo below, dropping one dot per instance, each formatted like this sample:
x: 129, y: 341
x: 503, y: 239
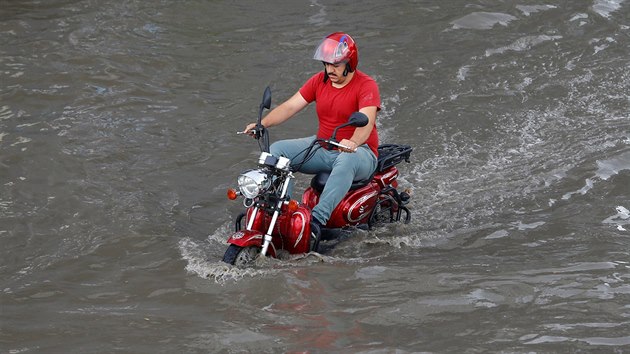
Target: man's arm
x: 281, y: 113
x: 362, y: 134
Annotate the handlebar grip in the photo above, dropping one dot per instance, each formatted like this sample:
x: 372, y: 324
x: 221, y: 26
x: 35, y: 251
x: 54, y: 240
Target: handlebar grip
x: 340, y: 145
x: 253, y: 131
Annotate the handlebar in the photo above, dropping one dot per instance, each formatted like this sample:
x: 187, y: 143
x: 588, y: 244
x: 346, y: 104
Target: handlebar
x: 325, y: 141
x: 308, y: 151
x: 331, y: 142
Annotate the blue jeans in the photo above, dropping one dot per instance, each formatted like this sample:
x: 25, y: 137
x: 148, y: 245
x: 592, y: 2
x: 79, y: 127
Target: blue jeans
x: 344, y: 168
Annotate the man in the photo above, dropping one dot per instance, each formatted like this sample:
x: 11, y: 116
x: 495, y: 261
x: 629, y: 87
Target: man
x: 338, y: 91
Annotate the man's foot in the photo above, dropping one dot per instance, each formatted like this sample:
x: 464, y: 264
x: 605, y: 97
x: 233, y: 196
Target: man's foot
x: 316, y: 234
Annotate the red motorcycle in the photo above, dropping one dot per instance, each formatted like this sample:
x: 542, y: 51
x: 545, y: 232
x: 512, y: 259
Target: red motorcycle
x: 276, y: 224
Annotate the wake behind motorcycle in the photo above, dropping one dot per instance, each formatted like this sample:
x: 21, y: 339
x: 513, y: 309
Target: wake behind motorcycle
x: 276, y: 224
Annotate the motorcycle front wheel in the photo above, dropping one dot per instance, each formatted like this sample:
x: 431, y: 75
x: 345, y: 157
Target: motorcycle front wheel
x: 240, y: 256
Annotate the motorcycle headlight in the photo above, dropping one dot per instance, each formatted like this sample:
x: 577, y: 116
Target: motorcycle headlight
x: 253, y: 182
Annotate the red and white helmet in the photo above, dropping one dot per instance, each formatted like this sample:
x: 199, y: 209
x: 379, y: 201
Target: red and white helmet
x: 337, y: 48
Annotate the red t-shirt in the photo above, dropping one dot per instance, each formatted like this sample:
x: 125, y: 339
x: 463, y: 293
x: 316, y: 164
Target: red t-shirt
x: 335, y: 105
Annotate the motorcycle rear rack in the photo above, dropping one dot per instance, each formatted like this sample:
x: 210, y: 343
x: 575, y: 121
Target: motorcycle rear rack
x: 392, y: 154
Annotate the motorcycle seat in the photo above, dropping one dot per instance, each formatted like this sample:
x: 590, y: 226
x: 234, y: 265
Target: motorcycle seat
x: 389, y: 155
x: 319, y: 181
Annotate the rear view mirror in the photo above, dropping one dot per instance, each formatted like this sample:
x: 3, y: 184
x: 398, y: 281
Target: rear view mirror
x: 266, y: 102
x: 358, y: 119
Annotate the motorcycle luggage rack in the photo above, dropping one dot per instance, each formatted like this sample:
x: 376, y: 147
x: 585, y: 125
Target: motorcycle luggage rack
x: 392, y: 154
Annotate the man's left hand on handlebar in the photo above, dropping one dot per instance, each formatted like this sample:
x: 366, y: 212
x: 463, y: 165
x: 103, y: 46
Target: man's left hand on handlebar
x: 250, y: 129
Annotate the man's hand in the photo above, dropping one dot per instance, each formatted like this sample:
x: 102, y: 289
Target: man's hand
x: 349, y: 143
x: 249, y: 129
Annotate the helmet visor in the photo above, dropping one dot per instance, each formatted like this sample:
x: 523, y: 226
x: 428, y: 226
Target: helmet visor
x: 332, y: 51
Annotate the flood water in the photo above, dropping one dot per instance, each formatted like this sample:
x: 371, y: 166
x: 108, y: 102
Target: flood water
x: 117, y: 144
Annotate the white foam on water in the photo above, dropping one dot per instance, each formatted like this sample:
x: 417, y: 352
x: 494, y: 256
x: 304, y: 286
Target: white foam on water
x: 602, y: 44
x: 606, y: 169
x: 485, y: 298
x: 22, y: 140
x: 621, y: 219
x: 222, y: 233
x: 497, y: 234
x: 6, y: 113
x: 530, y: 9
x: 521, y: 226
x: 605, y: 8
x: 522, y: 44
x: 194, y: 253
x: 599, y: 341
x: 482, y: 20
x: 609, y: 168
x: 397, y: 241
x: 580, y: 16
x: 462, y: 72
x: 384, y: 122
x: 588, y: 185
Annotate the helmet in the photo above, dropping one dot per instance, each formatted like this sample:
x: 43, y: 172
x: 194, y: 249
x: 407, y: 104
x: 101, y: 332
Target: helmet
x: 337, y: 48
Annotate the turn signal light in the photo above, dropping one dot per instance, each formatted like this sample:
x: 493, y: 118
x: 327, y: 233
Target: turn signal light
x: 232, y: 194
x: 293, y: 205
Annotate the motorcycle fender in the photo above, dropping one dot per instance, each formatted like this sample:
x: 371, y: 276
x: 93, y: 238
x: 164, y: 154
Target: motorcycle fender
x: 245, y: 238
x: 387, y: 178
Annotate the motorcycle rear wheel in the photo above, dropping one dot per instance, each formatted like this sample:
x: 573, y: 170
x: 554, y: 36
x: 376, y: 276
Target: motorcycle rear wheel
x: 240, y: 256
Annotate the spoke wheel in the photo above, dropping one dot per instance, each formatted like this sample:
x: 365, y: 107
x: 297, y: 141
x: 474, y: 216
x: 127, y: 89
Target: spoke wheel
x: 240, y: 256
x: 382, y: 213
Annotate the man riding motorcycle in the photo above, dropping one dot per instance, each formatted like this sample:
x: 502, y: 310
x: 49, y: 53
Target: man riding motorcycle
x: 338, y: 91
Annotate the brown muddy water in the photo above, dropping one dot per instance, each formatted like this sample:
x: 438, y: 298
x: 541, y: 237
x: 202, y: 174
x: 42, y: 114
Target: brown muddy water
x: 117, y: 144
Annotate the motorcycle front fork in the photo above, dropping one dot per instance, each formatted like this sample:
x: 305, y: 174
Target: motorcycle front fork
x: 239, y: 218
x: 274, y: 218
